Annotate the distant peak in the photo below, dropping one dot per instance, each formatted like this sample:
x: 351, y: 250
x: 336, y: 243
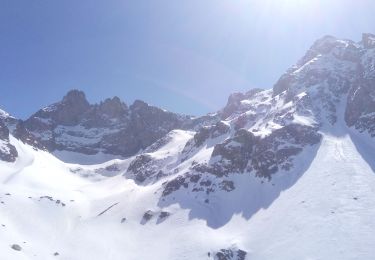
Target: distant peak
x: 75, y: 96
x: 139, y: 104
x: 325, y: 44
x: 113, y: 107
x: 115, y: 101
x: 3, y: 114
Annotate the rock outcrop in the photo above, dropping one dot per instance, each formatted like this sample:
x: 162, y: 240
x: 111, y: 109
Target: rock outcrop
x: 8, y: 152
x: 110, y: 127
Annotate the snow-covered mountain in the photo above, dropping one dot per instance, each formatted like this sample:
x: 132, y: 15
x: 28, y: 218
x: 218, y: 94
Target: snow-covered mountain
x: 284, y: 173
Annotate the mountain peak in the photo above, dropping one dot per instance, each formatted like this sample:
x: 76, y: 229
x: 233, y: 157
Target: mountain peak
x: 324, y: 44
x: 115, y: 101
x: 75, y: 96
x: 328, y: 42
x: 138, y: 104
x: 4, y: 114
x: 113, y: 107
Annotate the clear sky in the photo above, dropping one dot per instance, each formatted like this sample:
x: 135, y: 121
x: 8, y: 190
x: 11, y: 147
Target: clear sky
x: 186, y: 56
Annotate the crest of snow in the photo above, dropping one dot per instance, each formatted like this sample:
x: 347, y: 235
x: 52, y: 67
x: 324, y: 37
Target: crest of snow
x: 50, y: 108
x: 178, y: 140
x: 327, y: 62
x: 4, y: 114
x: 304, y: 120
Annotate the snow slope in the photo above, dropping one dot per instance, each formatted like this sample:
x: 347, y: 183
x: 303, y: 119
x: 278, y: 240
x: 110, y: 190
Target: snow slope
x: 327, y: 214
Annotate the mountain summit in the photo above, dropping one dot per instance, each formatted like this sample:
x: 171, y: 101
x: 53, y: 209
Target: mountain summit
x: 109, y: 129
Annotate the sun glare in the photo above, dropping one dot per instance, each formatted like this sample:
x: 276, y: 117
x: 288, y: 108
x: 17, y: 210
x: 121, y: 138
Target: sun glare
x: 271, y: 8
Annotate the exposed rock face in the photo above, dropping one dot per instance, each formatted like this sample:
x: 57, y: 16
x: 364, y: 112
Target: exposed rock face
x: 360, y: 110
x: 230, y: 254
x: 142, y: 168
x: 20, y: 132
x: 16, y: 247
x: 211, y: 132
x: 8, y: 152
x: 234, y: 103
x: 266, y: 155
x: 147, y: 216
x: 110, y: 127
x: 246, y: 153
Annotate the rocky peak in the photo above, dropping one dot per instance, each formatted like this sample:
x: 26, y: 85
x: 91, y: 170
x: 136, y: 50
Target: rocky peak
x: 110, y: 127
x: 3, y: 114
x: 8, y: 152
x: 234, y: 102
x: 4, y: 131
x: 68, y: 111
x: 73, y: 104
x: 325, y: 44
x: 72, y: 107
x: 75, y: 97
x: 113, y: 107
x: 329, y: 60
x: 8, y: 120
x: 138, y: 104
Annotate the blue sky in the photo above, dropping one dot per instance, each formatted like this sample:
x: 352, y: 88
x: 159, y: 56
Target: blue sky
x: 184, y: 56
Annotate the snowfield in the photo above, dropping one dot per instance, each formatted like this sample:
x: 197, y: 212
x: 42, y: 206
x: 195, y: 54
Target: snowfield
x: 326, y: 212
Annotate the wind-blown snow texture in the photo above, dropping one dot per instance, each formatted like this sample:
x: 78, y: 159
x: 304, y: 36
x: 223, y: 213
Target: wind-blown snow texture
x: 285, y: 173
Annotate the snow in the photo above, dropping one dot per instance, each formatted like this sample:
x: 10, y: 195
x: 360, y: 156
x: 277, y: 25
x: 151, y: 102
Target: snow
x: 3, y: 114
x: 329, y: 210
x: 177, y: 143
x: 303, y: 120
x: 323, y: 210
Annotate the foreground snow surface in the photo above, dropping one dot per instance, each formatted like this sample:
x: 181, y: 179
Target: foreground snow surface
x: 328, y: 213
